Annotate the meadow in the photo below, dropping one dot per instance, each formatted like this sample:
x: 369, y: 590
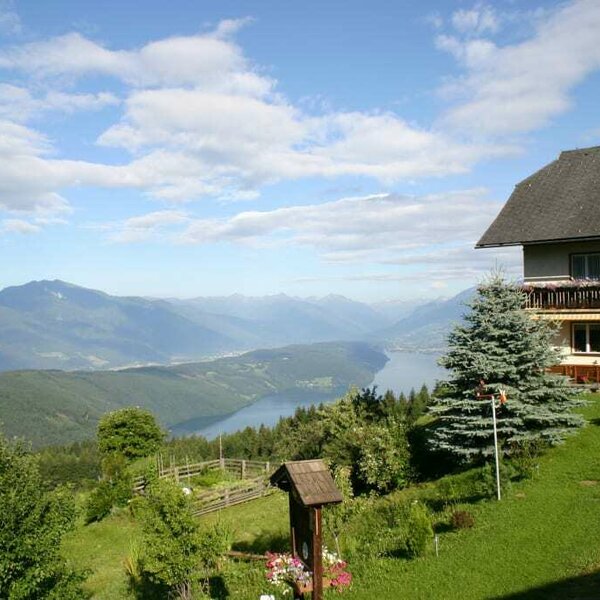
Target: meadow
x: 539, y: 541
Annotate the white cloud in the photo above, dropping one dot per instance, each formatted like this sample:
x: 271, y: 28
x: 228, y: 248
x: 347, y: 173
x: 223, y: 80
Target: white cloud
x: 371, y: 228
x: 476, y: 21
x: 18, y: 103
x: 211, y: 61
x: 518, y: 88
x: 428, y: 238
x: 145, y: 227
x: 200, y: 120
x: 19, y: 226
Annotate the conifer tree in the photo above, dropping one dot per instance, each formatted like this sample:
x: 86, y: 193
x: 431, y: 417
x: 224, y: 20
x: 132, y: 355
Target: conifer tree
x: 501, y: 345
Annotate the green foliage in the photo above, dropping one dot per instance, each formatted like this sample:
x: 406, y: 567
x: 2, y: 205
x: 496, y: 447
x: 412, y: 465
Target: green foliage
x: 176, y: 552
x: 390, y: 527
x: 77, y: 464
x: 419, y: 532
x: 383, y: 458
x: 336, y: 516
x: 357, y: 432
x: 557, y: 562
x: 106, y: 495
x: 114, y: 489
x: 215, y: 542
x: 503, y: 346
x: 132, y: 432
x: 32, y: 524
x: 171, y: 546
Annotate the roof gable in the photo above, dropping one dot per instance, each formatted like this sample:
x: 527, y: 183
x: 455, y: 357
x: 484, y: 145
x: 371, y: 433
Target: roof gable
x: 560, y: 202
x: 311, y: 479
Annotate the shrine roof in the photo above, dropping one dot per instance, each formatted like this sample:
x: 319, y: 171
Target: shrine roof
x: 311, y: 479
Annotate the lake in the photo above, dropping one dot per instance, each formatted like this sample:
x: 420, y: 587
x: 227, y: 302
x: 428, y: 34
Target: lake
x: 404, y: 370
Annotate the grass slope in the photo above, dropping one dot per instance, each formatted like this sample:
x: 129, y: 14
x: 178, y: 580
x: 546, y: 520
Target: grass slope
x: 542, y: 541
x: 55, y: 407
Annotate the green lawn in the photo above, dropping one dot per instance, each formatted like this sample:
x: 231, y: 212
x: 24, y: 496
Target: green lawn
x: 542, y: 541
x: 101, y: 548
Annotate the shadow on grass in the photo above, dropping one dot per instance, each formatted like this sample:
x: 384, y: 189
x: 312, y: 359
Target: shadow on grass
x: 583, y: 587
x: 595, y: 422
x: 264, y: 542
x: 217, y: 588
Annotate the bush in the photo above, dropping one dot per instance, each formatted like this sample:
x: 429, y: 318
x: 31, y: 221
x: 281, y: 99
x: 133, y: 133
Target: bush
x: 32, y: 524
x: 402, y: 529
x: 114, y: 490
x: 486, y: 479
x: 525, y: 459
x: 462, y: 519
x: 419, y: 530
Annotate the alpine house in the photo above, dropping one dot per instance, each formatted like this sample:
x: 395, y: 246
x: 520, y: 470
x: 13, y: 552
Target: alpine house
x: 555, y: 216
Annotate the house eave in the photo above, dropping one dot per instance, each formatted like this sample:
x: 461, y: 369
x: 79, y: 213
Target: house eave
x: 589, y: 238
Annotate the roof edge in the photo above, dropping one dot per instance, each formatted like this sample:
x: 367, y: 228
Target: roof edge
x: 587, y: 238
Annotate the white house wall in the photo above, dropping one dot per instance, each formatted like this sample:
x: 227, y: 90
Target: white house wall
x: 562, y: 341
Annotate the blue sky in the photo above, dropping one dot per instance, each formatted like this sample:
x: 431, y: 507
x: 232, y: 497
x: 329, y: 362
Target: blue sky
x: 207, y: 148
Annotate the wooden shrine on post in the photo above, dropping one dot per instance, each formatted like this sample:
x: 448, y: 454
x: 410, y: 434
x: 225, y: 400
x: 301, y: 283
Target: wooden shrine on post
x: 310, y: 487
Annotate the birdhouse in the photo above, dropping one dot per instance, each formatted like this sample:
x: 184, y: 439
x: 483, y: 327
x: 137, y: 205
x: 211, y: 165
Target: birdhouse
x: 310, y: 487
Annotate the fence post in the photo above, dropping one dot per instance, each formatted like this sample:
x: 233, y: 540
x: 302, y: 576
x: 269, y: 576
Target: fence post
x: 243, y: 469
x: 267, y: 467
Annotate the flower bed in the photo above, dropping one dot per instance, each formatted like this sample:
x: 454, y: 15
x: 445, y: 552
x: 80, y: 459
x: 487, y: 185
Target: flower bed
x: 284, y: 570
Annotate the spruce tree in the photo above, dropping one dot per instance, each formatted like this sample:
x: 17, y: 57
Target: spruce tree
x: 501, y: 345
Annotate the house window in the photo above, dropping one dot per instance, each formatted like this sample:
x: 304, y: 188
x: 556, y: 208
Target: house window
x: 586, y: 337
x: 585, y: 266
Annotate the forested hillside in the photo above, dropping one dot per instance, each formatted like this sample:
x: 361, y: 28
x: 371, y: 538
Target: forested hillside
x: 51, y: 407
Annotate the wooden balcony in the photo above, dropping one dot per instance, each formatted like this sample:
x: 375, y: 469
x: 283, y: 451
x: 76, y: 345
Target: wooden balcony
x: 569, y: 296
x: 582, y: 374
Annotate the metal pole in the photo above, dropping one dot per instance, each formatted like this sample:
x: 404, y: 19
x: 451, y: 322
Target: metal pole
x: 496, y: 449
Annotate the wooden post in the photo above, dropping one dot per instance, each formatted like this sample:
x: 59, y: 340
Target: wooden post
x: 317, y: 558
x: 243, y: 469
x: 496, y: 454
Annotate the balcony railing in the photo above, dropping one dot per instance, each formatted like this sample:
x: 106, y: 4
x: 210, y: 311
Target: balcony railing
x: 569, y: 296
x: 579, y: 373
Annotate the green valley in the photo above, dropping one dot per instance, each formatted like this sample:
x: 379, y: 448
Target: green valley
x: 56, y: 407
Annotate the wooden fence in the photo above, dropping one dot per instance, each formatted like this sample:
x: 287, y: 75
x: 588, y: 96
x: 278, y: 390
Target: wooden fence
x: 222, y: 498
x: 253, y: 482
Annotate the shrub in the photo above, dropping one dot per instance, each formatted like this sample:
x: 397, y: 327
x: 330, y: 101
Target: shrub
x: 391, y: 528
x: 114, y: 490
x: 32, y: 524
x: 462, y: 519
x: 525, y: 459
x: 419, y: 530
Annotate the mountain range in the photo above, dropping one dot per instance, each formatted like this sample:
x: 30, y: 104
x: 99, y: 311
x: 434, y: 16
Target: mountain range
x: 58, y: 325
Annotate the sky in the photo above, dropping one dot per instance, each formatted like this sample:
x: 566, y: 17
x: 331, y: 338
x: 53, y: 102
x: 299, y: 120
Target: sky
x: 189, y: 148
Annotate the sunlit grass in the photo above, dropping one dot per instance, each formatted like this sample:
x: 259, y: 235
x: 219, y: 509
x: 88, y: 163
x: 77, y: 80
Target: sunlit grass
x: 544, y: 531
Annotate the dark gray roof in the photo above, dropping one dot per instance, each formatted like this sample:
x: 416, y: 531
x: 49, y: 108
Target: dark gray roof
x: 312, y: 480
x: 560, y: 202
